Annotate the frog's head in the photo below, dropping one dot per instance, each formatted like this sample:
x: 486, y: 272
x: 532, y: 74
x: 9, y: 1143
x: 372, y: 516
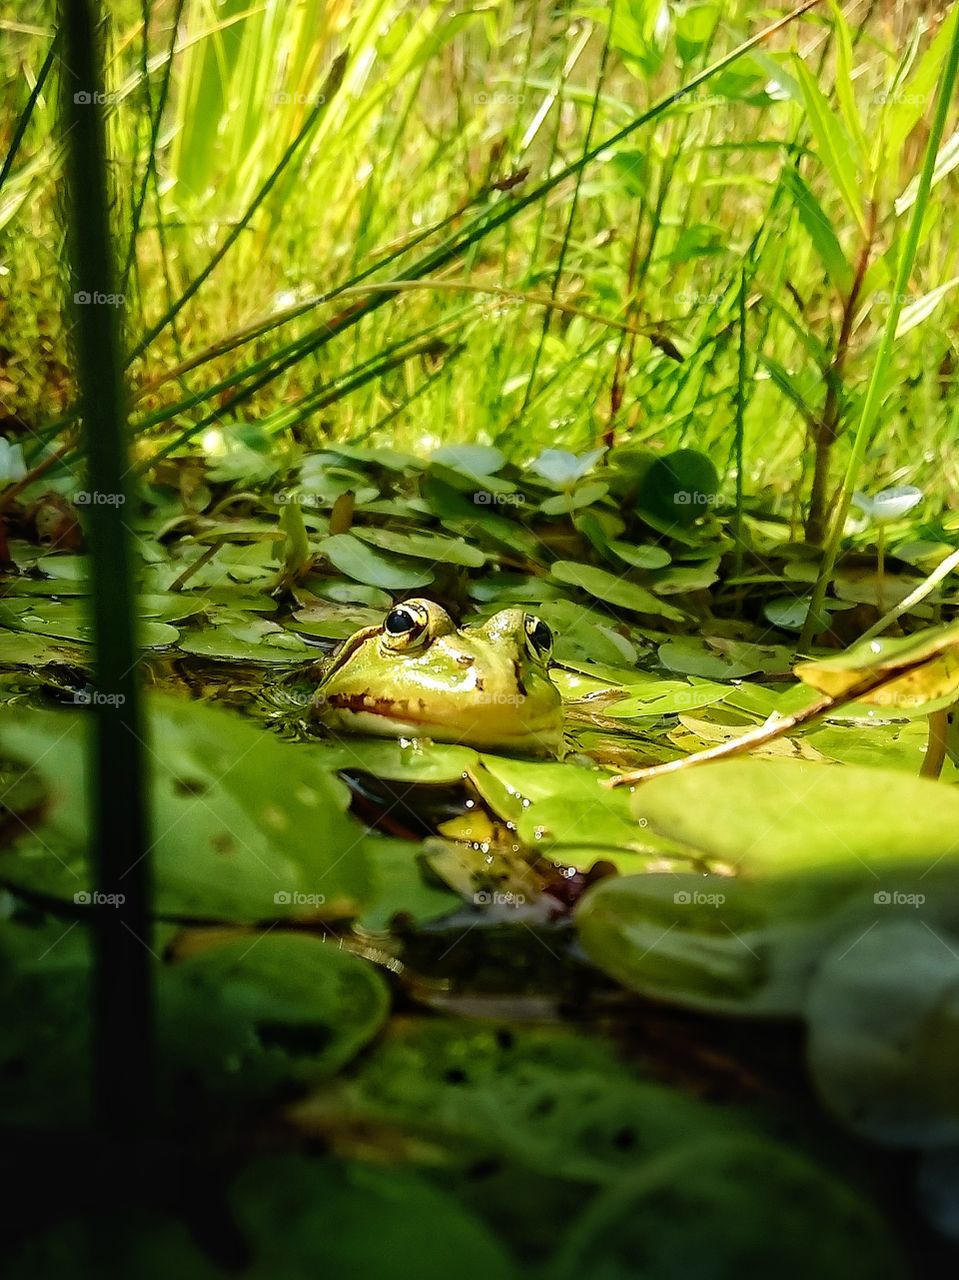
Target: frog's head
x: 417, y: 674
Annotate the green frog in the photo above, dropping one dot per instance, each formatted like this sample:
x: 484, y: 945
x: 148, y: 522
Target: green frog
x: 419, y: 675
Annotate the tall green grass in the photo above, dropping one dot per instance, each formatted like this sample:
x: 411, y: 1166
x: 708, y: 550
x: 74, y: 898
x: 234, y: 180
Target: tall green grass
x: 767, y: 173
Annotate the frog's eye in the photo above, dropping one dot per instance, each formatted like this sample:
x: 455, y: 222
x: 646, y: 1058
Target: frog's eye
x: 538, y: 637
x: 405, y: 626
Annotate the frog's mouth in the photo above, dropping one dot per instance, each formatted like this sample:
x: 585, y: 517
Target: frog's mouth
x: 392, y: 717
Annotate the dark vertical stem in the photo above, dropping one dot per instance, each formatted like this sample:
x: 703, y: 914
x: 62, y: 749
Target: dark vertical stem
x: 122, y: 977
x: 740, y: 424
x: 827, y: 430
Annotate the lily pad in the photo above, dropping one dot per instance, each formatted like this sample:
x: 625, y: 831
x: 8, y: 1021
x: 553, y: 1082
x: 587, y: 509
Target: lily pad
x: 471, y: 459
x: 665, y: 697
x: 228, y: 844
x: 424, y: 546
x: 715, y: 658
x: 613, y: 590
x: 401, y: 887
x: 245, y: 1016
x: 648, y: 556
x: 766, y: 816
x: 366, y: 564
x: 884, y: 1033
x: 250, y: 640
x: 353, y: 1220
x: 70, y: 620
x: 705, y: 1208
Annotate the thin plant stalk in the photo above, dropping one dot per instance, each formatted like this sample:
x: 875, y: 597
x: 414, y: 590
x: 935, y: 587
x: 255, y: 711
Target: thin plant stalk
x: 122, y: 993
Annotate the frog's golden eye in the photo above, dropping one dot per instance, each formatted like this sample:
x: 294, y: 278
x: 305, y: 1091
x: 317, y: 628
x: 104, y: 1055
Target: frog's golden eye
x: 539, y: 638
x: 405, y: 626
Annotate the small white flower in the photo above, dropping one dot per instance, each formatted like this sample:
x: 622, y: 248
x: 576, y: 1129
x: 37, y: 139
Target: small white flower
x: 12, y: 466
x: 889, y: 504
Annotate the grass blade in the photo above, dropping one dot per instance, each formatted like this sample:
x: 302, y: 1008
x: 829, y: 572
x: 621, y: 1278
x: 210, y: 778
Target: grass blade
x: 120, y: 845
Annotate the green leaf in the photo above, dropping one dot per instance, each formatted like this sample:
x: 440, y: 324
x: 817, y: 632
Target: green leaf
x: 884, y: 1033
x: 947, y: 157
x: 844, y: 82
x: 303, y: 1216
x: 229, y: 844
x: 613, y: 589
x: 679, y: 488
x: 424, y: 546
x: 251, y: 1014
x: 819, y: 229
x: 921, y: 308
x: 703, y: 1209
x: 664, y: 698
x: 363, y: 563
x: 770, y: 816
x: 835, y: 150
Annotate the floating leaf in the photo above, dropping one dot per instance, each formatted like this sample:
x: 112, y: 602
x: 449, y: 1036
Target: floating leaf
x: 248, y: 1015
x: 229, y: 844
x: 665, y: 698
x: 307, y: 1216
x: 613, y: 590
x: 365, y: 564
x: 884, y: 1033
x: 927, y: 660
x: 765, y: 816
x: 679, y: 488
x: 424, y: 546
x: 474, y: 460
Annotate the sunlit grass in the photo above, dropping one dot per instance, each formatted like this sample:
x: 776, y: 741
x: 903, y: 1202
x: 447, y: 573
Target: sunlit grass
x: 439, y: 113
